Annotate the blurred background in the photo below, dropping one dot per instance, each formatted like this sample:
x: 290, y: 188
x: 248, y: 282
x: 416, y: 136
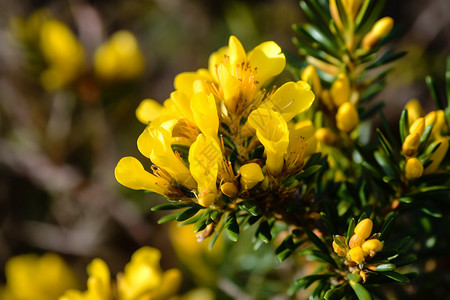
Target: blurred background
x: 67, y: 115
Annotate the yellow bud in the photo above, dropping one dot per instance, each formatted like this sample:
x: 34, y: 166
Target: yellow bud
x: 229, y: 189
x: 364, y: 228
x: 339, y: 250
x: 379, y: 30
x: 418, y: 126
x: 413, y: 169
x: 411, y: 144
x: 347, y: 117
x: 430, y: 118
x: 326, y: 99
x: 414, y: 109
x: 439, y: 124
x: 326, y: 136
x: 438, y: 155
x: 251, y: 175
x: 340, y: 90
x: 310, y: 75
x: 355, y: 241
x: 356, y: 254
x: 206, y: 198
x: 371, y: 246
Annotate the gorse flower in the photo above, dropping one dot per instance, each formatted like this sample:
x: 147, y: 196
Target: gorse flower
x: 30, y: 277
x: 142, y: 279
x: 209, y: 132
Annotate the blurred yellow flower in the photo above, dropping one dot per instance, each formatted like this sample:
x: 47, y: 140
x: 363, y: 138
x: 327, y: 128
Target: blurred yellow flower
x: 347, y: 117
x: 119, y: 58
x: 142, y: 279
x: 30, y: 277
x: 63, y: 53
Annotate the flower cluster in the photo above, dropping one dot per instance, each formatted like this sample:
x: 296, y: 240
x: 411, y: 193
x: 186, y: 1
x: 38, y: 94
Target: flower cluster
x: 424, y: 146
x: 206, y: 142
x: 359, y: 248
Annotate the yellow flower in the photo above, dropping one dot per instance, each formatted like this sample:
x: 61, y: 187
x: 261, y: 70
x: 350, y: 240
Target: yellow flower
x: 413, y: 168
x: 149, y: 110
x: 204, y: 110
x: 155, y: 143
x: 30, y: 277
x: 438, y: 155
x: 204, y: 156
x: 414, y: 109
x: 119, y: 58
x: 273, y: 133
x: 130, y: 173
x: 63, y: 52
x: 347, y: 117
x: 310, y: 76
x: 379, y: 30
x: 371, y: 246
x: 291, y: 99
x: 340, y: 90
x: 418, y: 126
x: 142, y: 279
x: 302, y: 143
x: 326, y: 136
x: 364, y: 228
x: 356, y: 254
x: 251, y: 175
x: 411, y: 144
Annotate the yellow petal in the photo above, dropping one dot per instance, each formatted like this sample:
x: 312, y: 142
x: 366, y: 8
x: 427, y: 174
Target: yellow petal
x: 204, y: 156
x: 438, y: 155
x: 215, y: 60
x: 237, y: 54
x: 148, y: 110
x: 356, y: 254
x: 347, y: 117
x: 130, y: 173
x: 370, y: 246
x: 291, y: 99
x: 414, y: 109
x: 229, y: 87
x: 99, y: 281
x: 184, y: 82
x: 411, y: 144
x: 272, y: 132
x: 268, y: 61
x: 183, y: 104
x: 251, y: 175
x: 413, y: 168
x: 310, y: 76
x: 418, y: 126
x: 204, y: 110
x: 340, y: 90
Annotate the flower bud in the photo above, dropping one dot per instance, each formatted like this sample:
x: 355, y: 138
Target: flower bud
x: 379, y: 30
x: 355, y: 241
x: 251, y: 175
x: 430, y: 118
x: 339, y: 250
x: 340, y: 90
x: 414, y: 109
x: 418, y: 126
x: 356, y: 254
x: 413, y: 168
x: 347, y: 117
x: 326, y: 136
x: 229, y: 189
x: 411, y: 144
x: 371, y: 246
x: 310, y: 76
x: 364, y: 228
x: 325, y: 97
x: 438, y: 155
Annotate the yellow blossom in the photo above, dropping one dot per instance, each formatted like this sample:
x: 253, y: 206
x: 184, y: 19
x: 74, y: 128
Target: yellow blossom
x: 229, y: 188
x: 30, y: 277
x: 371, y: 246
x: 356, y: 254
x: 379, y: 30
x: 251, y: 175
x: 411, y: 144
x: 155, y: 143
x: 413, y: 168
x: 273, y: 133
x: 414, y: 109
x: 347, y: 117
x: 119, y: 58
x: 340, y: 90
x: 326, y: 136
x: 418, y: 126
x: 364, y: 228
x: 204, y: 111
x: 63, y: 52
x: 204, y: 156
x: 130, y: 173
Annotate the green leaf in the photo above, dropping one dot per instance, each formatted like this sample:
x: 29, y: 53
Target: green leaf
x: 306, y: 281
x: 200, y: 224
x: 167, y: 218
x: 350, y: 229
x: 263, y: 232
x: 384, y: 143
x: 232, y: 227
x: 396, y: 276
x: 360, y: 291
x: 250, y: 207
x: 387, y: 224
x: 386, y: 58
x: 319, y: 244
x: 308, y: 172
x: 336, y: 293
x: 434, y: 92
x: 405, y: 260
x: 431, y: 212
x: 404, y: 125
x: 187, y: 214
x: 385, y: 267
x: 169, y: 206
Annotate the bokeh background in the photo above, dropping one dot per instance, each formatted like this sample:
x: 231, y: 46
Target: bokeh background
x: 58, y: 148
